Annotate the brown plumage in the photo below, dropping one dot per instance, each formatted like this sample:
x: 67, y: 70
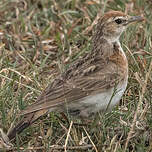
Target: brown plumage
x: 88, y: 84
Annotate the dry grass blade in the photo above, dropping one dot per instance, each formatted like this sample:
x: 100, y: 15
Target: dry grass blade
x: 68, y: 134
x: 4, y: 141
x: 138, y: 106
x: 52, y: 147
x: 24, y: 85
x: 94, y: 146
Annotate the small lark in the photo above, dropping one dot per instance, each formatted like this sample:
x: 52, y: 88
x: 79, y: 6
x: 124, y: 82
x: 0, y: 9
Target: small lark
x: 95, y: 82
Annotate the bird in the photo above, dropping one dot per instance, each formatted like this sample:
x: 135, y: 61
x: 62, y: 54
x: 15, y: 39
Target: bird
x: 95, y: 82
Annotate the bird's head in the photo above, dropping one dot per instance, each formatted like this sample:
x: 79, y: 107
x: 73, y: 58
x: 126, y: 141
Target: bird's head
x: 113, y: 23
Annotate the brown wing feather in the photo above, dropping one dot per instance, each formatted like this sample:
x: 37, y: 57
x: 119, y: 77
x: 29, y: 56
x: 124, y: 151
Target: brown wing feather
x: 89, y: 75
x: 73, y: 90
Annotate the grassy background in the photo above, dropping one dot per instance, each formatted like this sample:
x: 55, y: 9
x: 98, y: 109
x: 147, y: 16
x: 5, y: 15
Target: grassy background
x: 38, y: 39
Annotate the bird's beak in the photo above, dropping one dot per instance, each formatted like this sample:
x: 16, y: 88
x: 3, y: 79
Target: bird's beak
x: 134, y: 19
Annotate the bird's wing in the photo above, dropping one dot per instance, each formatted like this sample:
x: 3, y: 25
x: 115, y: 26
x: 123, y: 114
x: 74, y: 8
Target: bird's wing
x: 69, y: 89
x: 61, y: 92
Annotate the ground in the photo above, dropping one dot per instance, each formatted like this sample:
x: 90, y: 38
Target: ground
x: 38, y: 40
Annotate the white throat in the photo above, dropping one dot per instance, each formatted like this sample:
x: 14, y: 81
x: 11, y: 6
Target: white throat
x: 116, y: 40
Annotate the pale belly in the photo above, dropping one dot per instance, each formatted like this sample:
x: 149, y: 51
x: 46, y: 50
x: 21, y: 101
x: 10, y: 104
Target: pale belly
x: 99, y: 102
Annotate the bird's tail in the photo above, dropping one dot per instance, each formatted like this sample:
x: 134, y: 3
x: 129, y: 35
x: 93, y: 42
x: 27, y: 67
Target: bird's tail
x: 27, y: 120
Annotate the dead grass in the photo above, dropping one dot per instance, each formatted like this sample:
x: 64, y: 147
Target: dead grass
x: 39, y: 39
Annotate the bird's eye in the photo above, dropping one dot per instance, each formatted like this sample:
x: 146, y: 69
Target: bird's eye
x: 118, y: 21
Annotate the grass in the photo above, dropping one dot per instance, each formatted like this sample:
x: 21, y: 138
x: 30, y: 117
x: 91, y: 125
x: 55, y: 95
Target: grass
x: 39, y: 39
